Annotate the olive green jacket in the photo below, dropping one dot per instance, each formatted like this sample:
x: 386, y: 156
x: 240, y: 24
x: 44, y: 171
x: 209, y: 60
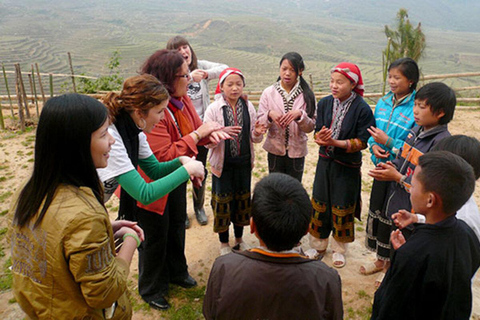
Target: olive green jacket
x: 66, y: 267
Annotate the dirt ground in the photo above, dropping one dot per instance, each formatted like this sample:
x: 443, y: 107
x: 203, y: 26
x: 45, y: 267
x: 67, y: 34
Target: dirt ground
x: 202, y: 245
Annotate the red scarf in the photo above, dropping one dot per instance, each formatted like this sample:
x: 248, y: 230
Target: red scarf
x: 183, y: 122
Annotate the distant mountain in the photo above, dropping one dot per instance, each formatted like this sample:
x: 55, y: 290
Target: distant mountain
x: 251, y: 35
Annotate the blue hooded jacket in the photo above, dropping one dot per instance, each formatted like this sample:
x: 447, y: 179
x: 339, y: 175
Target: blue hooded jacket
x: 395, y: 122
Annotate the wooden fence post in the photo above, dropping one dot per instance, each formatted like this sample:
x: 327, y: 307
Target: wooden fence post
x: 50, y: 76
x: 40, y: 83
x: 8, y: 91
x: 19, y: 100
x: 22, y: 90
x: 35, y: 91
x: 71, y: 70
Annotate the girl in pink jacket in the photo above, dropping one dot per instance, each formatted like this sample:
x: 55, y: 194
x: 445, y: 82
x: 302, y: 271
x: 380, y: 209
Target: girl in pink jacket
x: 232, y: 160
x: 287, y: 109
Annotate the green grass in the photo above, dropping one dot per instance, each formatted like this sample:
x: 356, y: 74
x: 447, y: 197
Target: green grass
x: 5, y: 196
x: 6, y: 276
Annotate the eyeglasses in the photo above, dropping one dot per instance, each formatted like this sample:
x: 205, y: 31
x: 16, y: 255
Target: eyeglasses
x: 186, y: 76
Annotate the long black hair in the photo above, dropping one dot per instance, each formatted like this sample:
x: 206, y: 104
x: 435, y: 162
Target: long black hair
x: 296, y: 61
x: 62, y: 153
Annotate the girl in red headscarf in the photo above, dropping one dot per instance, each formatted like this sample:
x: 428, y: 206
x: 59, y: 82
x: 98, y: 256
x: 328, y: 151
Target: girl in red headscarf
x: 232, y: 160
x: 341, y: 132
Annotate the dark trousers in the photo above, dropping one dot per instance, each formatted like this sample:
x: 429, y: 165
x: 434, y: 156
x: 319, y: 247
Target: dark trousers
x: 199, y: 193
x: 161, y: 257
x: 237, y: 230
x: 283, y: 164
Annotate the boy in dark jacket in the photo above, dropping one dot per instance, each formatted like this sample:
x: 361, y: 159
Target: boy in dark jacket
x: 430, y: 276
x: 433, y: 110
x: 274, y: 281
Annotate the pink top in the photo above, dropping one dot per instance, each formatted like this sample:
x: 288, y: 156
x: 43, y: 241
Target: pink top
x: 215, y: 113
x: 275, y: 141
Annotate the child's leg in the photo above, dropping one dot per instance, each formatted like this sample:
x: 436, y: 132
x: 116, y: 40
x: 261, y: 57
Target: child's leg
x: 223, y: 237
x: 339, y: 247
x: 294, y: 167
x: 222, y: 201
x: 276, y: 163
x: 241, y: 210
x: 321, y: 224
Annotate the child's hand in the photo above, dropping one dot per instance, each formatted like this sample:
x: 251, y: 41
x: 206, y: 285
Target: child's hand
x: 397, y: 239
x: 260, y: 128
x: 378, y: 135
x: 275, y: 117
x: 380, y: 153
x: 197, y: 75
x: 404, y: 218
x: 385, y: 172
x: 291, y: 115
x: 324, y: 137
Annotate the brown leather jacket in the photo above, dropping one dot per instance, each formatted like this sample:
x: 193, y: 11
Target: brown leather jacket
x: 66, y: 267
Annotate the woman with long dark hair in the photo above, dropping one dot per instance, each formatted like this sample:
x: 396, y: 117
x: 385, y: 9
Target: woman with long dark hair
x: 63, y: 254
x: 287, y: 109
x: 177, y: 134
x: 201, y: 72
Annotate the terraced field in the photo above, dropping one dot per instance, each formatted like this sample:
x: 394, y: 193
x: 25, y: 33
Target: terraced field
x: 247, y: 38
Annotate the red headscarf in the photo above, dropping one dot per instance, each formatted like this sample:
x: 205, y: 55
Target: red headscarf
x: 225, y: 73
x: 352, y: 72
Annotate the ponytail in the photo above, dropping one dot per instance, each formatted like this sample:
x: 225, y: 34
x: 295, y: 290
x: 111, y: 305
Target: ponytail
x: 308, y: 97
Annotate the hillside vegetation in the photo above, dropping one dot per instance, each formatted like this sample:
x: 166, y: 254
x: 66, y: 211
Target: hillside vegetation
x: 250, y: 35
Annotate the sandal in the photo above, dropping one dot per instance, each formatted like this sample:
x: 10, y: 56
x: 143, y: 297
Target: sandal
x: 338, y: 260
x: 315, y: 254
x: 379, y: 280
x: 225, y: 250
x: 370, y: 268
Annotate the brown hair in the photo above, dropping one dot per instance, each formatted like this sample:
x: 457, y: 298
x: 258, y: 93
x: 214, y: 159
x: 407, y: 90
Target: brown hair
x: 178, y: 41
x: 141, y: 92
x: 164, y: 65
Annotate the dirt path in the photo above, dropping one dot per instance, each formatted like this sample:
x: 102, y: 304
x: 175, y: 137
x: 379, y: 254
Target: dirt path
x: 202, y: 244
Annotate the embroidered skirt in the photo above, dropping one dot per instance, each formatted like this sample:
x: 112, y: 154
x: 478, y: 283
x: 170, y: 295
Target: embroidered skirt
x: 379, y: 226
x: 335, y: 200
x: 231, y: 197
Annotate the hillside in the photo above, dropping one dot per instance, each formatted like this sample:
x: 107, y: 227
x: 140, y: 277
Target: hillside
x: 250, y: 35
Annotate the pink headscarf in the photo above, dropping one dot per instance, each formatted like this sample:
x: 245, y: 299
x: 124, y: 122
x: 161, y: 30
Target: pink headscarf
x: 225, y: 73
x: 352, y: 72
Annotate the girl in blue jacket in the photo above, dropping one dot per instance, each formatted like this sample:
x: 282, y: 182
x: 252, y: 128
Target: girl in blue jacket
x: 394, y: 119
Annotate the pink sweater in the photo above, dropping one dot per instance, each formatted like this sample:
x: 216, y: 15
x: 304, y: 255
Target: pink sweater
x: 275, y: 141
x: 215, y: 113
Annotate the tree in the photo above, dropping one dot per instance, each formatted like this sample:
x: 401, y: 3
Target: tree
x: 113, y: 81
x: 404, y: 41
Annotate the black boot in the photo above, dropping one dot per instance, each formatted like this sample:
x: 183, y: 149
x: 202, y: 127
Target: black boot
x: 198, y: 201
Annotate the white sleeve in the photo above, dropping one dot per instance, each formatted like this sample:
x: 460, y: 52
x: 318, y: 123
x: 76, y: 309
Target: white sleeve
x: 144, y: 150
x: 118, y: 164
